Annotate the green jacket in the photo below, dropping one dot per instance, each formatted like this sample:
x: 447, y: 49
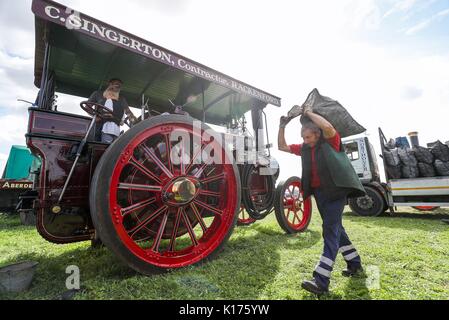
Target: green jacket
x: 337, y: 176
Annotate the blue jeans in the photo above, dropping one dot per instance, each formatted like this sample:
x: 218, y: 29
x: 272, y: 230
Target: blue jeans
x: 335, y: 238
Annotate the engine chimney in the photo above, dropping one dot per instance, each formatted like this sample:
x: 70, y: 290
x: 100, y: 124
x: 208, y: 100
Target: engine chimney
x: 414, y: 138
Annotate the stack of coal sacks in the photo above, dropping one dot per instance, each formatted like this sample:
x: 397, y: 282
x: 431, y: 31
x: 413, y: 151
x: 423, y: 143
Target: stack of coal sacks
x: 404, y: 162
x: 440, y: 152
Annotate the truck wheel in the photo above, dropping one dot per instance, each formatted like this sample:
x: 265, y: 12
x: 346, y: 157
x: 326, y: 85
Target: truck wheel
x: 160, y: 203
x: 372, y: 204
x: 293, y: 213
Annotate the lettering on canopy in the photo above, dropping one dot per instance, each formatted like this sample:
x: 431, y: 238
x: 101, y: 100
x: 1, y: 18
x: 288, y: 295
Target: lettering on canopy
x: 74, y: 20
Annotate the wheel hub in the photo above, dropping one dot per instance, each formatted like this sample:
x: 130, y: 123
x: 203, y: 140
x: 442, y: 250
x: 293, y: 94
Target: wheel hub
x: 298, y: 204
x: 181, y: 191
x: 365, y: 202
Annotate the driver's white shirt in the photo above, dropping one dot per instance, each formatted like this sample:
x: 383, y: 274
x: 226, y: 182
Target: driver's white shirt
x: 110, y: 127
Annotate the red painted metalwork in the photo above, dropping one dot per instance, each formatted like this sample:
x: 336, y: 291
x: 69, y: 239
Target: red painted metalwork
x: 425, y: 208
x: 296, y: 210
x: 244, y: 219
x: 44, y: 138
x: 148, y: 221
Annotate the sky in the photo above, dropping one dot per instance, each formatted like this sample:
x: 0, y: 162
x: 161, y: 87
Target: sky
x: 385, y: 61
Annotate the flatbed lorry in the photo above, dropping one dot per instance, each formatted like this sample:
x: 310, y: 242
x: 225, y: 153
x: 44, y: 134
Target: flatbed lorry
x: 425, y: 193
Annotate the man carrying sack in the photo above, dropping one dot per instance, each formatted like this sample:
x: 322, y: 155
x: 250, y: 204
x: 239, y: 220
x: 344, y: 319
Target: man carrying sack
x: 328, y: 174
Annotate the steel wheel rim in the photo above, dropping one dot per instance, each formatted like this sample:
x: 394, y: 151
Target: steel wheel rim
x: 244, y: 218
x: 297, y: 211
x: 156, y: 213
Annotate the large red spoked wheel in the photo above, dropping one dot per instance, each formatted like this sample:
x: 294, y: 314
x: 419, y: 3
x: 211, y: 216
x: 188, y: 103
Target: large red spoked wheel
x: 244, y: 218
x: 293, y: 213
x: 157, y: 211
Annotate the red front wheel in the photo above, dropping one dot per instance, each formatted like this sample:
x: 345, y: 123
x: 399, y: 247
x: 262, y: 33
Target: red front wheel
x: 293, y: 213
x: 158, y: 201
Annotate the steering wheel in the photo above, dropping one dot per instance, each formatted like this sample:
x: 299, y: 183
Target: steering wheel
x: 95, y: 109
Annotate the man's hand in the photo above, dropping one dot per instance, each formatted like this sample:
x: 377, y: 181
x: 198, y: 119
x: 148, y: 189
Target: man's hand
x: 282, y: 145
x: 284, y: 121
x: 306, y: 109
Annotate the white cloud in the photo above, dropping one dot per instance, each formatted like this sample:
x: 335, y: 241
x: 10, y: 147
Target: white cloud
x: 401, y: 6
x: 13, y: 129
x: 16, y: 80
x: 410, y: 93
x: 3, y: 160
x: 364, y: 14
x: 443, y: 13
x: 427, y: 22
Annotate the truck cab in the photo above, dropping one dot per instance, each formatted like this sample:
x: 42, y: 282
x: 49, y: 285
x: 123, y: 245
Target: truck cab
x: 362, y: 155
x: 363, y: 158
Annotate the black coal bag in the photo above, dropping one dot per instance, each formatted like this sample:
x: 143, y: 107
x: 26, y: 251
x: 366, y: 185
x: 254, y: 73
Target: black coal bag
x: 332, y: 111
x: 407, y: 157
x: 394, y: 172
x: 442, y: 168
x: 423, y: 155
x: 440, y: 150
x: 426, y: 170
x: 410, y: 171
x: 392, y: 157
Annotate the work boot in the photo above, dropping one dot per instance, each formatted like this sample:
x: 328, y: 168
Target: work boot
x: 313, y: 287
x: 352, y: 271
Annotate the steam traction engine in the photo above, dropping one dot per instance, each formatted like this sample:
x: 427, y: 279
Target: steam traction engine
x: 155, y: 196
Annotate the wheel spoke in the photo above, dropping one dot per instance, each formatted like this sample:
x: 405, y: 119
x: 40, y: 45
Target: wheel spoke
x: 150, y: 153
x: 137, y: 206
x: 153, y: 216
x: 195, y: 156
x: 182, y: 164
x: 294, y: 217
x: 299, y: 219
x: 208, y: 207
x: 198, y: 217
x: 203, y: 167
x: 134, y: 186
x: 144, y: 170
x: 288, y: 203
x: 213, y: 178
x: 209, y: 193
x: 171, y: 246
x: 189, y: 228
x: 160, y: 232
x: 168, y: 151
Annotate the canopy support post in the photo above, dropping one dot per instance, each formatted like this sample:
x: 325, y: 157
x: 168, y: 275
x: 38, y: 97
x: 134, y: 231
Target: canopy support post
x: 44, y: 78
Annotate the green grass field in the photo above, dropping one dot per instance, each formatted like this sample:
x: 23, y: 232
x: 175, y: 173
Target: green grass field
x: 406, y: 257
